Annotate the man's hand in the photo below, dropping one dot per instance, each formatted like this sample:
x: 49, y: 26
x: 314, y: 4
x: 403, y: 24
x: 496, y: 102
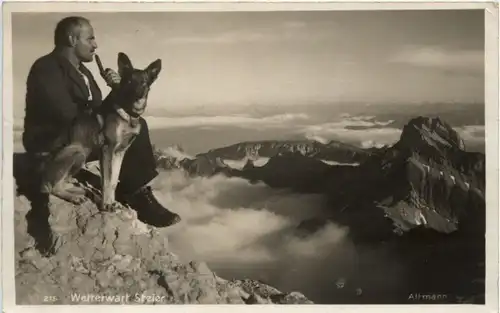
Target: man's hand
x: 111, y: 77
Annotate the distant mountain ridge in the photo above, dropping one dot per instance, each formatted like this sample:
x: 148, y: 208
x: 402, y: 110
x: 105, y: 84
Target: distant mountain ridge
x: 331, y: 151
x: 214, y: 161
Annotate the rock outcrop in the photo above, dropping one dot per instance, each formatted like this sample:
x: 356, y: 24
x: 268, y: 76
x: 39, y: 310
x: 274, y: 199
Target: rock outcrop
x: 426, y: 180
x: 113, y: 258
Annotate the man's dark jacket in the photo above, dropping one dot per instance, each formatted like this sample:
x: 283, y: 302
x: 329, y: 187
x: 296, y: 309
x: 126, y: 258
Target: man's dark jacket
x: 55, y: 93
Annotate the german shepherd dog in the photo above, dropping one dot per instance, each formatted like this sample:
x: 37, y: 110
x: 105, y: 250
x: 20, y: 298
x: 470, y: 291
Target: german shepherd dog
x: 110, y: 130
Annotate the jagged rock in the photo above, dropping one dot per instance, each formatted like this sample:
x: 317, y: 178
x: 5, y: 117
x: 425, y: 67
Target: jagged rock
x: 291, y: 298
x: 260, y: 293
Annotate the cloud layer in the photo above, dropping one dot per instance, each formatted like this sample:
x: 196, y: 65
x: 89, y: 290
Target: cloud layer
x: 468, y: 61
x: 362, y: 130
x: 239, y: 120
x: 250, y: 231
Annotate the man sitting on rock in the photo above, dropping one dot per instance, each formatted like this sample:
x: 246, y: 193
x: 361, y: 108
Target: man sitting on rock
x: 58, y: 86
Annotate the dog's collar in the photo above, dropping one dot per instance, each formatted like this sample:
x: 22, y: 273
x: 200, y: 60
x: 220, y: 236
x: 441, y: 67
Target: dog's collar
x: 132, y: 119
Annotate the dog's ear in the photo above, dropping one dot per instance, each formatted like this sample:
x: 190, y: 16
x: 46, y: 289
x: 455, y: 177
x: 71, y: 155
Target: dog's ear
x: 153, y: 70
x: 124, y: 64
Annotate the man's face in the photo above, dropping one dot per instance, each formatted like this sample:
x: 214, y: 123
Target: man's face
x: 85, y: 43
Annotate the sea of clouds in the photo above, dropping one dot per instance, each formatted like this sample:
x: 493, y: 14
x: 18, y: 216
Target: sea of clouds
x: 245, y: 230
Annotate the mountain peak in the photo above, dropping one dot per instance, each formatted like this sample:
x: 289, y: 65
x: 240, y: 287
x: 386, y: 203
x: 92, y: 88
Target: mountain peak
x: 430, y: 131
x: 427, y: 173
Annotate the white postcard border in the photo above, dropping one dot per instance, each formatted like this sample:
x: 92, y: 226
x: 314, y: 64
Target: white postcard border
x: 492, y: 146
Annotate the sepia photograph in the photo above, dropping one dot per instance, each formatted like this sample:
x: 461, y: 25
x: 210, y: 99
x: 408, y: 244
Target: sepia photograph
x: 298, y: 157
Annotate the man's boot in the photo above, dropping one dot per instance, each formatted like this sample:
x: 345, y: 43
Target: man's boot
x: 46, y: 241
x: 149, y: 210
x: 27, y: 168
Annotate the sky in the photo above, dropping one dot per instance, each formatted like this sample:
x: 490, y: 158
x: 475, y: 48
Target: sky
x: 238, y: 59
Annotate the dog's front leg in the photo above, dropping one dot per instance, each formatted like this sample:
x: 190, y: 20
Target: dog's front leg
x: 116, y: 165
x: 106, y: 177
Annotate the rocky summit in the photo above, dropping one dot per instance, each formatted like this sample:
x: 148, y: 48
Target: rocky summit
x: 113, y: 258
x: 426, y: 180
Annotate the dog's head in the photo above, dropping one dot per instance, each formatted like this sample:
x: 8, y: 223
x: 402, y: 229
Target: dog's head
x: 135, y: 84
